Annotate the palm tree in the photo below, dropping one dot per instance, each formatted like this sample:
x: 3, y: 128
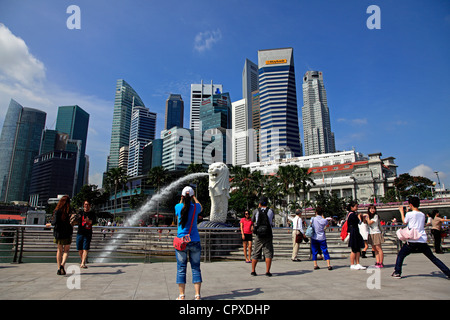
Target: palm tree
x: 156, y: 178
x: 304, y: 182
x: 118, y: 178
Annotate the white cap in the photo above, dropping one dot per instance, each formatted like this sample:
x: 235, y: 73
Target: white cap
x: 187, y: 190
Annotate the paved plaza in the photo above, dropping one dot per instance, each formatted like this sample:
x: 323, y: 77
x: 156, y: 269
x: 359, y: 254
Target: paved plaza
x: 227, y: 280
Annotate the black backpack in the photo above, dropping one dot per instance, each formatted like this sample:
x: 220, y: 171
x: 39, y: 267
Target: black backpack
x: 263, y: 228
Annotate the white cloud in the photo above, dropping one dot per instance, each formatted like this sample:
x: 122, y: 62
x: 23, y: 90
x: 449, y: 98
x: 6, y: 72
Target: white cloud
x: 205, y: 40
x: 423, y: 170
x: 359, y: 122
x: 23, y: 78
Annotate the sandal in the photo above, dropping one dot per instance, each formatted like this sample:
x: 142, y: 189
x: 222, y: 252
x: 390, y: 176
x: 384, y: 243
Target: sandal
x: 198, y: 297
x: 180, y: 297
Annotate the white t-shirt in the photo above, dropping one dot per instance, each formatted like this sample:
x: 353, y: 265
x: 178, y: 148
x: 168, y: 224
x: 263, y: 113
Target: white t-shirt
x: 416, y: 219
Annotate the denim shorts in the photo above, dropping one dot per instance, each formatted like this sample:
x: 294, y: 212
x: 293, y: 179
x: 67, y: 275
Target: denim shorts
x: 83, y: 242
x: 193, y: 251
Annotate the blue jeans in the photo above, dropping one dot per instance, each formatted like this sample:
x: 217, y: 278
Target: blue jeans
x: 415, y: 247
x: 322, y: 244
x: 193, y: 250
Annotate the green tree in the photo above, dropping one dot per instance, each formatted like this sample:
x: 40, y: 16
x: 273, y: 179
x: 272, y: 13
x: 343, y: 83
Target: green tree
x: 408, y: 185
x: 116, y: 177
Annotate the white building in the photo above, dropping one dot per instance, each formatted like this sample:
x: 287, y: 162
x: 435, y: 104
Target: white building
x: 242, y: 134
x: 347, y: 173
x: 198, y: 93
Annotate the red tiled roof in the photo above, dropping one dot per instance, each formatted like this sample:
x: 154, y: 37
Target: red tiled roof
x: 11, y: 217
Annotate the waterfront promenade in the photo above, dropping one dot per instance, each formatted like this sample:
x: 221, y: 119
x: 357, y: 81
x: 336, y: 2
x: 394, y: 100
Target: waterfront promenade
x: 228, y: 280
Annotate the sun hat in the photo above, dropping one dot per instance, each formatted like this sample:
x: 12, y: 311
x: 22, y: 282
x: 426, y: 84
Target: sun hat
x: 188, y: 190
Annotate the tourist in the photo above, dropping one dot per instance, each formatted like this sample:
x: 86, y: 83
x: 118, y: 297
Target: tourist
x: 297, y: 229
x: 263, y: 221
x: 416, y: 219
x: 375, y: 235
x: 436, y: 229
x: 364, y: 231
x: 62, y: 232
x: 318, y: 239
x: 84, y: 233
x: 356, y: 241
x: 187, y: 214
x: 246, y: 232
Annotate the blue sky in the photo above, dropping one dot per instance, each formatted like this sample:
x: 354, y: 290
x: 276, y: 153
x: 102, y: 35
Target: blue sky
x: 388, y: 89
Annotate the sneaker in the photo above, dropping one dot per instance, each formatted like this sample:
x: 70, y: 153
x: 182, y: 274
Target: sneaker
x: 268, y: 274
x: 253, y: 273
x: 396, y: 275
x: 360, y: 267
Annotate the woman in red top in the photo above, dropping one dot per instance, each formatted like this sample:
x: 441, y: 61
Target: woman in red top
x: 246, y: 231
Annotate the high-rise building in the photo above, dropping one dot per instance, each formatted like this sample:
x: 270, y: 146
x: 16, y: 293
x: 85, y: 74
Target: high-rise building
x: 279, y: 135
x: 317, y: 134
x: 174, y: 112
x: 142, y: 131
x: 242, y: 135
x: 256, y: 126
x: 19, y: 144
x: 198, y: 93
x: 74, y: 121
x: 124, y: 101
x: 249, y: 84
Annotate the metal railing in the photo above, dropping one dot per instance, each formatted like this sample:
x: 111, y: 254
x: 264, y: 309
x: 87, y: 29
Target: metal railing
x: 29, y: 243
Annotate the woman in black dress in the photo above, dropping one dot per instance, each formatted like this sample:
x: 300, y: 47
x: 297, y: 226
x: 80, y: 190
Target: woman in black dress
x: 356, y: 241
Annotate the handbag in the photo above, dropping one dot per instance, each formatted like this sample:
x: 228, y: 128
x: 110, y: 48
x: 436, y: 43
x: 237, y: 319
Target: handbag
x: 310, y: 230
x: 299, y: 237
x: 75, y: 219
x: 406, y: 234
x: 181, y: 243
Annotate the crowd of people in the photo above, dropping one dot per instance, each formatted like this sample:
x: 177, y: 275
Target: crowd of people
x: 364, y: 228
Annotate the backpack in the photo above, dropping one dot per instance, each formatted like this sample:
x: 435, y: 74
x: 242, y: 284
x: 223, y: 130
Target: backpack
x: 263, y: 228
x: 344, y: 230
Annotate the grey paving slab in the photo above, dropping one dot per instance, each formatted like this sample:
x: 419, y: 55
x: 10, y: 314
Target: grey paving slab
x: 230, y: 280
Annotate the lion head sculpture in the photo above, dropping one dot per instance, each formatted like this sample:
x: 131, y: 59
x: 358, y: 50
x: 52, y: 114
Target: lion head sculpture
x: 219, y: 191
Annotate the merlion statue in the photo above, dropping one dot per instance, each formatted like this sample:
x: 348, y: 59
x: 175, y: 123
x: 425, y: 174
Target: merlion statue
x: 219, y: 191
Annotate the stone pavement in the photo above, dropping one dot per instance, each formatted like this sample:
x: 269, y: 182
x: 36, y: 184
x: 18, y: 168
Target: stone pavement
x: 228, y: 280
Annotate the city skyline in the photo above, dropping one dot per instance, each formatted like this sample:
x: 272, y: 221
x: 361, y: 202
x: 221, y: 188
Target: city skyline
x: 381, y: 83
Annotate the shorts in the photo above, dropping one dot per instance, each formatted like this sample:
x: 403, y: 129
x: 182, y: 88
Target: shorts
x: 63, y: 242
x: 83, y: 242
x: 248, y: 237
x: 261, y: 244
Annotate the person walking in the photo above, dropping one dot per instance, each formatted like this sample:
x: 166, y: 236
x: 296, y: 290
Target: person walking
x: 416, y: 219
x: 62, y: 232
x: 436, y: 230
x: 318, y: 239
x: 263, y: 221
x: 84, y: 233
x: 356, y: 241
x: 297, y: 229
x: 187, y: 212
x: 375, y: 238
x: 246, y: 224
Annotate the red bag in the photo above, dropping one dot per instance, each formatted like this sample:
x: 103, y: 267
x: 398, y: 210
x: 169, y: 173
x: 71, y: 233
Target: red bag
x: 344, y: 230
x: 181, y: 243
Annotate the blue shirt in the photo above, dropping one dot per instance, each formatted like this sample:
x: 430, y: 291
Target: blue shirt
x: 195, y: 236
x: 319, y: 225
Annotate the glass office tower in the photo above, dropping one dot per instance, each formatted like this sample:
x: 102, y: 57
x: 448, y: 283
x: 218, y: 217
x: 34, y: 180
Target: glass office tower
x: 279, y: 135
x: 19, y: 144
x: 124, y: 101
x: 174, y: 112
x: 142, y: 131
x: 74, y: 121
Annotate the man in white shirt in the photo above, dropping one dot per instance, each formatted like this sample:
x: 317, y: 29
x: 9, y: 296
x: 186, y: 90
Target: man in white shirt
x: 416, y: 219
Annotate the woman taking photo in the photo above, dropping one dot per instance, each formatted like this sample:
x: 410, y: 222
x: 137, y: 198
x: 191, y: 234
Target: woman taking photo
x: 62, y: 232
x: 187, y: 214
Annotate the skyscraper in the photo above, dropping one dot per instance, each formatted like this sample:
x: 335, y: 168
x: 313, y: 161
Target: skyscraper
x: 279, y: 135
x: 142, y: 131
x: 174, y: 112
x: 74, y: 121
x: 124, y: 100
x: 19, y: 144
x: 317, y: 133
x: 198, y: 93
